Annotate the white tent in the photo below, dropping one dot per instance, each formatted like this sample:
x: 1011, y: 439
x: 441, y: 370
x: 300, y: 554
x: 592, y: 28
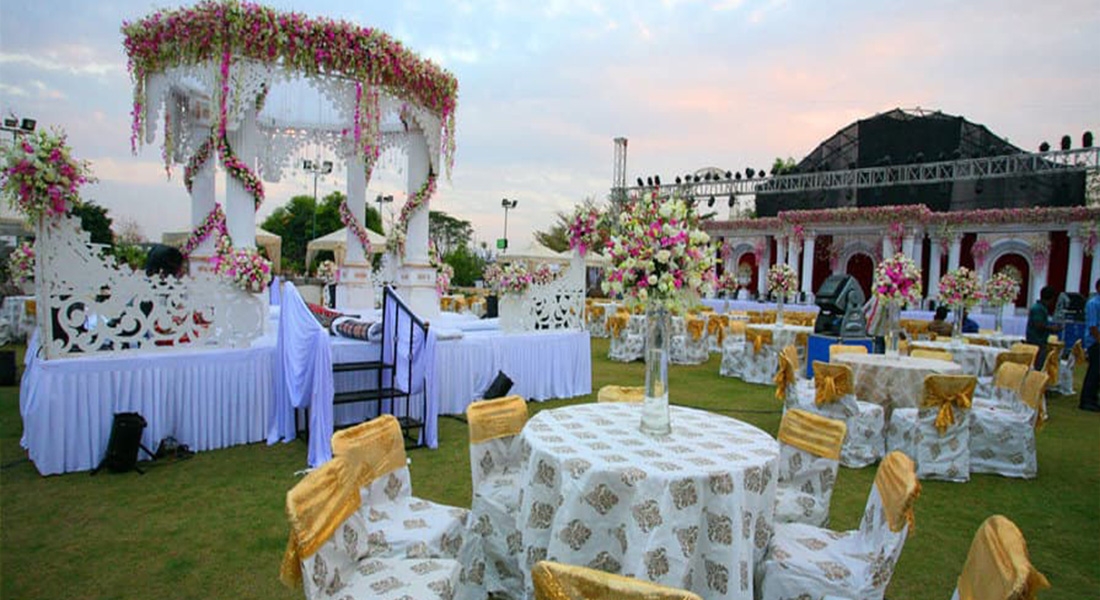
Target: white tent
x: 595, y: 259
x: 337, y: 243
x: 535, y: 253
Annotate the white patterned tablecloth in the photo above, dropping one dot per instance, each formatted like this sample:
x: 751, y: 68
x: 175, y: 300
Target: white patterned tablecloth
x: 974, y: 359
x: 893, y: 381
x: 692, y: 510
x: 996, y: 340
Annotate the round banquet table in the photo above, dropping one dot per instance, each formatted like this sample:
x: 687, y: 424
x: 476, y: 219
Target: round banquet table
x: 976, y: 360
x: 893, y: 381
x: 782, y: 335
x: 997, y: 340
x: 691, y: 510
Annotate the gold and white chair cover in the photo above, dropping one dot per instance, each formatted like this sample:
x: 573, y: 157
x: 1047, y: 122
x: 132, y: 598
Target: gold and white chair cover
x: 1004, y: 388
x: 717, y: 330
x: 791, y: 389
x: 997, y: 566
x: 753, y: 360
x: 597, y: 319
x: 845, y: 348
x: 804, y: 561
x: 688, y: 343
x: 834, y: 397
x: 627, y: 337
x: 809, y: 454
x: 919, y: 352
x: 556, y: 581
x: 328, y: 550
x: 1064, y: 384
x: 1002, y: 438
x: 493, y: 542
x: 1030, y: 349
x: 1052, y: 364
x: 937, y: 435
x: 621, y: 393
x: 399, y: 524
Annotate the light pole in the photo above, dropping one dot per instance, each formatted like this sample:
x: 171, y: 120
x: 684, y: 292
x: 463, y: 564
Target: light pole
x: 18, y: 127
x: 317, y: 169
x: 507, y: 205
x: 382, y: 200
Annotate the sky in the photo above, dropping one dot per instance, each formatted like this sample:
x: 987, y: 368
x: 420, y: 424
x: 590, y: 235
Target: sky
x: 545, y: 87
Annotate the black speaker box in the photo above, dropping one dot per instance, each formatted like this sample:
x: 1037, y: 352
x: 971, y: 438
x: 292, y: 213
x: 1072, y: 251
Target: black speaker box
x: 499, y: 388
x: 124, y: 443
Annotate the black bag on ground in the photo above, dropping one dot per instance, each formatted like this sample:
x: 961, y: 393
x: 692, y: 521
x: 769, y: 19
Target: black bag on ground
x: 499, y: 388
x: 124, y: 443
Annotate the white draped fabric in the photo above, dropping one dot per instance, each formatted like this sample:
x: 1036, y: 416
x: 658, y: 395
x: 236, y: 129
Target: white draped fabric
x: 1012, y: 326
x: 541, y: 366
x: 720, y: 305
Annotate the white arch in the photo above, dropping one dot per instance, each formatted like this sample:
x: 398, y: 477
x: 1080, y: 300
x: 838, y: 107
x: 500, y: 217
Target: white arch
x: 739, y: 250
x: 854, y: 247
x: 1006, y: 246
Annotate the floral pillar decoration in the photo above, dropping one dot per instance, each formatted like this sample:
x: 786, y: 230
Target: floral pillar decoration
x: 897, y: 281
x: 662, y: 261
x: 1000, y: 291
x: 1040, y: 260
x: 961, y: 290
x: 980, y: 250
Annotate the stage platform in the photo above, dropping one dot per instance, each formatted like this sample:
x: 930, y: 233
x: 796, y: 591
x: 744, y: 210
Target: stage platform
x: 209, y: 399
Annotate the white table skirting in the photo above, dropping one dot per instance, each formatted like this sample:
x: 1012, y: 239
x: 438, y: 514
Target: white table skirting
x: 1011, y: 325
x: 722, y: 305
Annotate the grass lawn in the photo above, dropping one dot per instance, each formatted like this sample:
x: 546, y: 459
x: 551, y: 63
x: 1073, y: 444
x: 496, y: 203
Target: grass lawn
x: 213, y: 526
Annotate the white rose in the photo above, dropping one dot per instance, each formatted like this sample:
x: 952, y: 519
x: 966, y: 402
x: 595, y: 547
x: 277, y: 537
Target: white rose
x: 663, y: 256
x: 652, y: 279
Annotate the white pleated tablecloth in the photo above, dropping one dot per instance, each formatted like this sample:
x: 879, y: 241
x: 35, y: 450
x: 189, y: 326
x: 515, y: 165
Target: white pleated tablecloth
x: 691, y: 510
x: 893, y: 381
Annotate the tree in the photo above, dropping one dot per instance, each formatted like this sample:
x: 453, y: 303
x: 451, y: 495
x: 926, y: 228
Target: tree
x: 294, y: 222
x: 556, y: 237
x: 129, y: 232
x: 448, y: 233
x: 782, y: 167
x: 94, y: 220
x: 468, y: 266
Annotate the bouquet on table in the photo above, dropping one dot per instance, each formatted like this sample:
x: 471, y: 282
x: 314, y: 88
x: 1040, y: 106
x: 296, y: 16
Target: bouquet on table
x: 21, y: 263
x: 782, y: 280
x: 491, y: 277
x: 246, y: 268
x: 960, y: 288
x: 1001, y: 289
x: 544, y: 274
x: 40, y: 177
x: 327, y: 271
x: 514, y: 279
x: 897, y: 279
x: 729, y: 282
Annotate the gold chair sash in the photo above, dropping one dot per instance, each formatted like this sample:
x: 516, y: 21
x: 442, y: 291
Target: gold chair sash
x: 784, y: 376
x: 947, y: 392
x: 1032, y: 394
x: 1052, y: 364
x: 459, y: 304
x: 555, y: 581
x: 1010, y: 376
x: 377, y: 442
x: 738, y: 327
x: 758, y: 337
x: 978, y: 342
x: 595, y: 312
x: 616, y: 323
x: 695, y: 327
x: 818, y: 435
x: 922, y: 352
x: 845, y: 349
x: 998, y: 566
x: 445, y: 303
x: 315, y: 507
x: 1078, y: 351
x: 496, y: 418
x: 897, y: 485
x: 1031, y: 349
x: 1020, y: 357
x: 831, y: 382
x: 621, y: 393
x: 792, y: 354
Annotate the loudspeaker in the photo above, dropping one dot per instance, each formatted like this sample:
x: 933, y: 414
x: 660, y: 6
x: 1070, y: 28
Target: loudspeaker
x: 7, y: 367
x: 124, y: 443
x: 491, y: 304
x: 499, y: 388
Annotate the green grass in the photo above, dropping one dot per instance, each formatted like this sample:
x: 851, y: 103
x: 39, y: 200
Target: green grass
x: 213, y: 526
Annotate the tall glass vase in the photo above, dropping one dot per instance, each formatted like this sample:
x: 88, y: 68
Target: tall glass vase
x: 957, y: 326
x: 779, y: 298
x: 655, y: 414
x: 998, y: 319
x: 893, y: 327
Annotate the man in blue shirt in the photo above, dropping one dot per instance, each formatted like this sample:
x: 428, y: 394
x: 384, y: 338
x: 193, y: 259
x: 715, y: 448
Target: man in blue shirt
x: 969, y: 325
x: 1039, y: 326
x: 1091, y: 342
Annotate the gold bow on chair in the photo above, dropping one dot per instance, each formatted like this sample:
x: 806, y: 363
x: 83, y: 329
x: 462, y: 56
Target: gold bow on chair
x: 897, y: 485
x: 378, y: 443
x: 695, y: 327
x: 1035, y: 383
x: 998, y: 565
x: 758, y: 337
x: 818, y: 435
x: 947, y: 392
x: 784, y: 376
x: 595, y: 312
x: 555, y: 581
x: 616, y: 323
x: 1079, y: 354
x: 831, y: 382
x: 459, y: 304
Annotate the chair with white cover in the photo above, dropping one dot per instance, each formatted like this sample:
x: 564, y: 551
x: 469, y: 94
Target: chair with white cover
x: 1002, y: 439
x: 1030, y: 349
x: 1064, y: 384
x: 328, y: 551
x: 757, y: 356
x: 997, y: 566
x: 490, y: 555
x: 733, y: 350
x: 809, y: 454
x: 804, y: 561
x: 1004, y: 388
x: 834, y: 397
x: 556, y: 581
x: 937, y: 435
x: 596, y: 316
x: 688, y: 342
x: 717, y: 329
x: 621, y: 393
x: 792, y: 390
x: 399, y: 524
x: 836, y: 349
x: 920, y: 352
x: 1052, y: 364
x: 627, y: 337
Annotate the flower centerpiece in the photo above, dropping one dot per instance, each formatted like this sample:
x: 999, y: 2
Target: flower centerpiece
x: 244, y: 267
x: 729, y: 282
x: 960, y: 288
x: 491, y: 277
x: 40, y: 177
x: 327, y: 271
x: 21, y: 263
x: 585, y: 229
x: 514, y: 279
x: 897, y: 282
x: 544, y: 274
x: 443, y: 271
x: 1001, y: 290
x: 660, y: 258
x: 782, y: 281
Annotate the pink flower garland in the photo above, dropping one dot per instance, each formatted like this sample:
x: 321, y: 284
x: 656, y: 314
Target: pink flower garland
x: 213, y: 222
x: 351, y: 222
x: 980, y: 249
x: 196, y: 162
x: 40, y: 175
x: 419, y: 199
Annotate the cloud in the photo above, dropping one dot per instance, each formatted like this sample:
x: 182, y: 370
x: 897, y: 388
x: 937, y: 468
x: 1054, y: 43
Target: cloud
x: 51, y: 62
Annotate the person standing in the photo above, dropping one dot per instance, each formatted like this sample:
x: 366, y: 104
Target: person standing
x: 1039, y: 326
x: 1091, y: 387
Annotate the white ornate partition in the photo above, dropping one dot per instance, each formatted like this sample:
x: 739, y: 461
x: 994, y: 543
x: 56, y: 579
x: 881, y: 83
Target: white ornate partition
x: 547, y: 307
x: 89, y: 304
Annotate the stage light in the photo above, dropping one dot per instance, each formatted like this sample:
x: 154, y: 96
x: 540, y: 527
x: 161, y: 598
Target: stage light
x: 737, y: 176
x: 706, y: 177
x: 640, y: 182
x: 1086, y: 139
x: 677, y: 180
x: 28, y: 125
x: 696, y: 179
x: 731, y: 201
x: 750, y: 172
x: 1066, y: 142
x: 10, y: 122
x: 657, y: 180
x: 649, y: 181
x: 710, y: 203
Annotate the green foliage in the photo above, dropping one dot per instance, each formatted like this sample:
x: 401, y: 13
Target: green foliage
x: 294, y: 222
x: 94, y: 220
x: 556, y: 237
x: 130, y: 254
x: 448, y: 233
x: 781, y: 167
x: 467, y: 266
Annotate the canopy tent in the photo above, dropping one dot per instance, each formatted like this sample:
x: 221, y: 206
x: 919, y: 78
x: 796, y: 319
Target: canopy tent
x: 535, y: 253
x: 337, y: 243
x: 271, y: 243
x: 595, y: 259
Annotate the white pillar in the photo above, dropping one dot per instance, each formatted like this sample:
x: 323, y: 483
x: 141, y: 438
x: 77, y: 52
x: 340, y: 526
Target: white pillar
x: 917, y: 250
x: 240, y: 206
x: 780, y: 250
x: 1073, y: 270
x: 416, y: 280
x: 762, y: 272
x: 1038, y: 281
x: 953, y: 253
x: 1094, y: 272
x: 792, y: 254
x: 808, y: 266
x: 907, y: 245
x: 355, y: 289
x: 203, y: 199
x: 887, y: 247
x: 934, y: 269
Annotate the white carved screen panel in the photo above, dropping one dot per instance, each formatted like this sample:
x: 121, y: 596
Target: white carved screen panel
x: 555, y: 305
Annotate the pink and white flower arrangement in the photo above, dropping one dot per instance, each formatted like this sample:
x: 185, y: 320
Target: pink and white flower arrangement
x: 728, y: 281
x: 960, y: 287
x: 544, y: 274
x: 514, y: 279
x: 443, y: 271
x: 980, y: 249
x: 585, y: 229
x: 327, y: 271
x: 782, y: 280
x: 246, y: 268
x: 491, y: 277
x: 1001, y: 289
x: 659, y: 256
x: 21, y: 263
x: 897, y: 279
x: 395, y: 242
x: 40, y: 177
